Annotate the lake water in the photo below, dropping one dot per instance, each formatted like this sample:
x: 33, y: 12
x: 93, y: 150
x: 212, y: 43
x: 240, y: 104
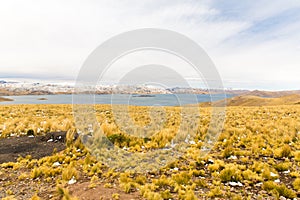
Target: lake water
x: 157, y: 99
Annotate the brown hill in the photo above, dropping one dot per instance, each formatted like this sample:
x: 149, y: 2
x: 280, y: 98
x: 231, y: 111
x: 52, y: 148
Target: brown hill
x: 260, y: 93
x: 247, y: 100
x: 5, y: 99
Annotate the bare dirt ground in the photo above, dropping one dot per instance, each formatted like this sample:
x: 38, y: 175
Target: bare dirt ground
x: 82, y: 191
x: 13, y: 147
x: 40, y: 146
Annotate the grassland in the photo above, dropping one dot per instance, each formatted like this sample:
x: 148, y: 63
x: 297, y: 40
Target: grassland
x: 257, y: 156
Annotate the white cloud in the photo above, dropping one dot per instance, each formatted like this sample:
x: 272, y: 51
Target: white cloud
x: 55, y: 37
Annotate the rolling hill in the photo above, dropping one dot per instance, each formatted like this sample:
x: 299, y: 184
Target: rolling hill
x: 5, y: 99
x: 250, y: 100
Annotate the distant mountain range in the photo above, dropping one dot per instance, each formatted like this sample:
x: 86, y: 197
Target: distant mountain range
x: 12, y: 88
x: 36, y: 88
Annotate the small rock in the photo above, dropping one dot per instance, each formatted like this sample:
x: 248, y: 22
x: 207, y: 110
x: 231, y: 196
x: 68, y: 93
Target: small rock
x: 210, y: 161
x: 50, y: 140
x: 232, y: 158
x: 235, y: 184
x: 258, y: 184
x: 72, y: 181
x: 56, y: 164
x: 192, y: 142
x: 277, y: 181
x: 175, y: 169
x: 273, y: 174
x: 286, y: 172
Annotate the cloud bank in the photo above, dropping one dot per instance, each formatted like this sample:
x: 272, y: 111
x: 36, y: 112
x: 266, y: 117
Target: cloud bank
x: 254, y: 44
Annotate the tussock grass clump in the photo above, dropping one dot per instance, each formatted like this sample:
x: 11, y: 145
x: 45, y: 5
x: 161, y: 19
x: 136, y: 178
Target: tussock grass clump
x: 284, y: 166
x: 10, y: 197
x: 218, y: 164
x: 9, y: 165
x: 278, y: 190
x: 163, y: 182
x: 140, y: 179
x: 35, y: 173
x: 35, y: 197
x: 251, y: 176
x: 296, y: 184
x: 297, y: 156
x: 182, y: 178
x: 115, y: 196
x: 126, y: 182
x: 188, y: 195
x: 23, y: 176
x: 215, y: 192
x: 152, y: 195
x: 286, y: 151
x: 69, y: 173
x: 64, y: 193
x: 230, y: 173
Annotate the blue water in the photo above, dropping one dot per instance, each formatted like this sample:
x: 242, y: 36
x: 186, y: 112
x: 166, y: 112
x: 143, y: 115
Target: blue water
x: 157, y: 99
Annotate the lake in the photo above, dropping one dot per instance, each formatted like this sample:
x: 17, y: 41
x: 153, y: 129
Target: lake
x: 139, y: 100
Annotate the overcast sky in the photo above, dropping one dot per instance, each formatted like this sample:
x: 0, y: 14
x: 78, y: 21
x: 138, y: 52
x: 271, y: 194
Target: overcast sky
x: 254, y: 44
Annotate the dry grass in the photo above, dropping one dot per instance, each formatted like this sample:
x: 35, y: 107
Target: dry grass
x: 258, y: 149
x: 251, y: 100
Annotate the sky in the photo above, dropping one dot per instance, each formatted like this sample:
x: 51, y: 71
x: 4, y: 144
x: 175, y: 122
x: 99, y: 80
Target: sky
x: 253, y: 44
